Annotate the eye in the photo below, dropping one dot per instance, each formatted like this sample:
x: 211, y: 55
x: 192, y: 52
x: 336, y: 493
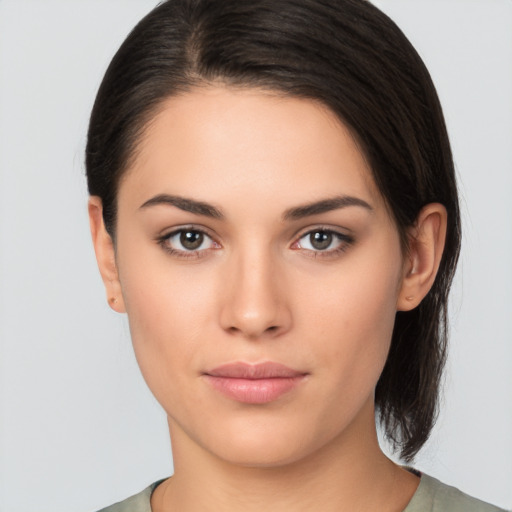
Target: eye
x: 187, y: 240
x: 323, y: 240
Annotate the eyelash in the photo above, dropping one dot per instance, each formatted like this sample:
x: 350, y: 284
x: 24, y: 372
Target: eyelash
x: 345, y: 241
x: 163, y: 241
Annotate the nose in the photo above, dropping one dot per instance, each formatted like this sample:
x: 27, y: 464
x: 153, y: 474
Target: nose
x: 254, y: 301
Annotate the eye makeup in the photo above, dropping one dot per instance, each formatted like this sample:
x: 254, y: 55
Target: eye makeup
x: 194, y: 242
x: 323, y: 242
x: 187, y: 242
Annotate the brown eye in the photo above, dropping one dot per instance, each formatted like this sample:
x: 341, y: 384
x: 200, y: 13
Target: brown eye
x: 323, y: 241
x: 187, y: 241
x: 320, y: 240
x: 191, y: 240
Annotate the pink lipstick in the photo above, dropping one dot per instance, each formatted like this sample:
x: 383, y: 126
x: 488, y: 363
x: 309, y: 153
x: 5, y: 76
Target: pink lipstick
x: 254, y: 383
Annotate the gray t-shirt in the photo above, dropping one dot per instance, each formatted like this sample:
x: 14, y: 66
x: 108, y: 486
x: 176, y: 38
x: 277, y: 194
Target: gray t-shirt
x: 430, y: 496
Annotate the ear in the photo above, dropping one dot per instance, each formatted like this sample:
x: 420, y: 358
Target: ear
x: 105, y: 255
x: 426, y: 244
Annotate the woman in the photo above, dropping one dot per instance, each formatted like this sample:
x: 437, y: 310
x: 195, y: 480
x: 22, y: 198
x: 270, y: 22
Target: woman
x: 273, y: 203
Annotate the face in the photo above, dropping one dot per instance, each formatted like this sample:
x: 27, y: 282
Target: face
x: 260, y: 271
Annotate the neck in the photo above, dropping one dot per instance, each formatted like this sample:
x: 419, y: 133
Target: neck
x: 348, y: 474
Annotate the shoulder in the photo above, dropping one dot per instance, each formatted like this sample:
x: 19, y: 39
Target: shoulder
x: 140, y: 502
x: 434, y: 496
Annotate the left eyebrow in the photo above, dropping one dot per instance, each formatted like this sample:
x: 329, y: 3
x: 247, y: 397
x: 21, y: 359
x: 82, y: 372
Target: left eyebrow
x: 323, y: 206
x: 185, y: 204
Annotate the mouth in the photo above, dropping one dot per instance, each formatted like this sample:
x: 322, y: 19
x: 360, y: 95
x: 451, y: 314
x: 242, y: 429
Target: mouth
x: 254, y: 383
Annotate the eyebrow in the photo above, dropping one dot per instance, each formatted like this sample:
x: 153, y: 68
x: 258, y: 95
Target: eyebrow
x: 323, y: 206
x: 295, y: 213
x: 185, y: 204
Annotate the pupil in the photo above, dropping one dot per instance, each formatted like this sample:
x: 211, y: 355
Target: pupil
x: 321, y: 240
x: 191, y: 239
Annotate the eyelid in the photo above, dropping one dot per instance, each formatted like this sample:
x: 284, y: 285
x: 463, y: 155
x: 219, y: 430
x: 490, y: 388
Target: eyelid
x: 168, y: 233
x: 343, y: 232
x: 346, y: 240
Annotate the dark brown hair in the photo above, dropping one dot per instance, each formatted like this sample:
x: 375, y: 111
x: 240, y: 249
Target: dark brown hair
x: 355, y: 60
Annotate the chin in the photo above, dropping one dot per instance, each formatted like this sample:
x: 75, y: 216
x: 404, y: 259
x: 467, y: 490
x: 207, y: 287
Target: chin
x: 264, y: 445
x: 267, y: 456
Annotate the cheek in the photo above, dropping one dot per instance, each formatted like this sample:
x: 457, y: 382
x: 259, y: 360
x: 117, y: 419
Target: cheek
x: 169, y: 310
x: 352, y: 312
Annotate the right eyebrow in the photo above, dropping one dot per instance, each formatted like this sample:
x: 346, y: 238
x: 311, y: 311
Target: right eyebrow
x: 185, y: 204
x: 325, y: 205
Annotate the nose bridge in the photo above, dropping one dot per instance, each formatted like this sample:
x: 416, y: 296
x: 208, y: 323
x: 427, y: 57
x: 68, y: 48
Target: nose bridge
x: 254, y: 302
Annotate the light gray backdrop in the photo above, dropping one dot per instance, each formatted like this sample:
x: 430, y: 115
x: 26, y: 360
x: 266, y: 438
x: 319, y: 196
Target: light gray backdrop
x: 78, y: 428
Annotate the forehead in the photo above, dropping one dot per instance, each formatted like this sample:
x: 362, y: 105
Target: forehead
x: 222, y: 141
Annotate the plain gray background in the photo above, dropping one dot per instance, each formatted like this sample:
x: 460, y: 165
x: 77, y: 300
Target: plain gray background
x: 78, y: 428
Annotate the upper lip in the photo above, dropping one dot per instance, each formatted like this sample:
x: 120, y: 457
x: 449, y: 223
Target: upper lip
x: 267, y: 370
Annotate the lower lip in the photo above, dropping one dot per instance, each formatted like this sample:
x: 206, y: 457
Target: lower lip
x: 254, y: 391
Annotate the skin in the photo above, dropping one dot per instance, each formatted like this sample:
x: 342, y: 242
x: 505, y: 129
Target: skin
x: 257, y: 290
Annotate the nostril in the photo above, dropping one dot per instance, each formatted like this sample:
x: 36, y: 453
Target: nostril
x: 269, y: 330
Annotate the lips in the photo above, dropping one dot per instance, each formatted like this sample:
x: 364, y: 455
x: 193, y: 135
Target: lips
x: 254, y: 383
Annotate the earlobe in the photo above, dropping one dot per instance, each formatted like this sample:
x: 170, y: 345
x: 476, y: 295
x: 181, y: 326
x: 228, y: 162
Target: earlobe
x: 105, y: 255
x: 426, y: 245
